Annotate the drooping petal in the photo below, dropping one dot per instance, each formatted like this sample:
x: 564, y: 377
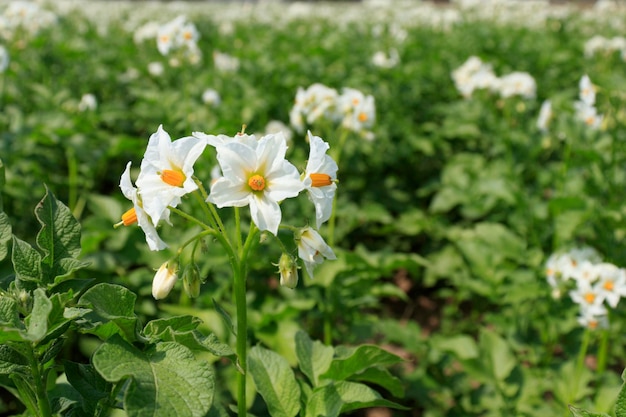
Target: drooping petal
x: 265, y: 213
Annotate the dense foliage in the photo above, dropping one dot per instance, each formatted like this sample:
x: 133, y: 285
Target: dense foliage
x: 445, y: 218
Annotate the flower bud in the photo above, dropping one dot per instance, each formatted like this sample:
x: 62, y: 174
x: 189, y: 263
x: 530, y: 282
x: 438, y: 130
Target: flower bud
x: 164, y: 280
x: 288, y: 269
x: 192, y: 281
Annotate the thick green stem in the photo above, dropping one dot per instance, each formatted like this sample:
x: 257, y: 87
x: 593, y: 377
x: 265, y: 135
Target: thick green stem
x: 242, y: 339
x: 40, y: 387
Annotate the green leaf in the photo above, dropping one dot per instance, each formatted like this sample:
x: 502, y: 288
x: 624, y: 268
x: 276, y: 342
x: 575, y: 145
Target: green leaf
x: 59, y: 237
x: 579, y: 412
x: 343, y: 396
x: 351, y: 361
x: 620, y: 405
x: 182, y: 329
x: 275, y: 381
x: 106, y: 309
x: 314, y: 358
x: 165, y: 380
x: 463, y: 346
x: 225, y: 316
x: 10, y: 323
x: 5, y: 233
x: 2, y: 183
x: 498, y: 356
x: 383, y: 378
x: 26, y: 261
x: 12, y: 361
x: 26, y: 393
x: 37, y: 320
x: 84, y: 378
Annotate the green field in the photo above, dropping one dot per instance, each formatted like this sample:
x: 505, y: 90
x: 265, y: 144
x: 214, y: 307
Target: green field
x: 465, y: 256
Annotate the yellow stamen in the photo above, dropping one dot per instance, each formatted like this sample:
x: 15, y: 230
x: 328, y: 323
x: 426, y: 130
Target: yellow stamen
x: 187, y: 35
x: 256, y: 182
x: 355, y: 102
x: 362, y: 117
x: 173, y: 178
x: 320, y: 180
x: 609, y: 285
x: 590, y: 297
x: 164, y: 38
x: 593, y: 324
x: 130, y: 217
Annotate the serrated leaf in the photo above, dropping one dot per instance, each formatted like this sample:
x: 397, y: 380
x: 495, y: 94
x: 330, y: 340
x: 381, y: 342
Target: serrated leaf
x: 37, y: 320
x: 59, y: 237
x: 109, y: 310
x: 12, y: 361
x: 342, y: 396
x: 9, y: 314
x: 579, y: 412
x: 157, y: 327
x: 182, y: 329
x: 10, y: 324
x: 275, y: 382
x: 314, y: 358
x: 26, y: 261
x: 5, y: 234
x: 165, y: 380
x: 350, y: 361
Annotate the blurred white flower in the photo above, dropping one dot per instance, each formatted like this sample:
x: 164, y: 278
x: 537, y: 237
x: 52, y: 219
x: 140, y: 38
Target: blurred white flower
x: 4, y: 59
x: 156, y: 69
x: 386, y: 60
x: 211, y: 97
x: 545, y: 115
x: 88, y: 102
x: 517, y: 84
x: 224, y: 62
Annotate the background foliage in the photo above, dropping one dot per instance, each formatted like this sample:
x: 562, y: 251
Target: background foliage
x: 445, y: 219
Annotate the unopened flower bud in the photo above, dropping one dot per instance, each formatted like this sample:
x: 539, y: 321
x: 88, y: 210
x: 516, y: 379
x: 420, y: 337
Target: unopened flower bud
x: 164, y: 280
x: 192, y: 281
x: 288, y: 269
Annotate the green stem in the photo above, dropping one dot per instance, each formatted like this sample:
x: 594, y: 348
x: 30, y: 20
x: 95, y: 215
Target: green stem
x: 40, y: 387
x: 603, y: 351
x: 580, y: 363
x: 242, y: 339
x: 72, y: 177
x: 191, y: 218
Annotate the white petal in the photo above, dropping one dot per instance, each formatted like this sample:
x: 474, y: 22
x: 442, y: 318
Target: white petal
x: 237, y: 161
x: 265, y: 213
x: 126, y: 184
x: 271, y: 152
x: 226, y: 193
